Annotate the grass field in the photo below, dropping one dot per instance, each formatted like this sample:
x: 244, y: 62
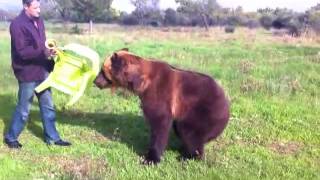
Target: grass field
x: 273, y: 84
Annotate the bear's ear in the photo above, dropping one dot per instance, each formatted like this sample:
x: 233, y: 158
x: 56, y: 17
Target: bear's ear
x: 114, y: 58
x: 125, y: 49
x: 116, y: 62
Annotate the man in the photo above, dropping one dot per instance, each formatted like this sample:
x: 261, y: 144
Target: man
x: 31, y: 67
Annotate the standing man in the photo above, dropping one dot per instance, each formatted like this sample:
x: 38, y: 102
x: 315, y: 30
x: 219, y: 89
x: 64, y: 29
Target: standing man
x: 31, y: 67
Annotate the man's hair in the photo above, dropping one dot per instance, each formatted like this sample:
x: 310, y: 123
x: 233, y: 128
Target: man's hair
x: 28, y: 2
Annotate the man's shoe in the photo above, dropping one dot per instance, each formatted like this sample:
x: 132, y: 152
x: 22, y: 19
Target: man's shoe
x: 60, y: 142
x: 13, y: 144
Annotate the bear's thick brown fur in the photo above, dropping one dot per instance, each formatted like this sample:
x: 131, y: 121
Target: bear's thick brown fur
x: 193, y: 101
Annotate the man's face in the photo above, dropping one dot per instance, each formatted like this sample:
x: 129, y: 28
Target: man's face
x: 33, y: 10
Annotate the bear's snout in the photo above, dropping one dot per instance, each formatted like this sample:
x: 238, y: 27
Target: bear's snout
x: 101, y: 81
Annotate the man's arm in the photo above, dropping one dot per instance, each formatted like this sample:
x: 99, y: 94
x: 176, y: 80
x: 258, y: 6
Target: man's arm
x: 25, y: 50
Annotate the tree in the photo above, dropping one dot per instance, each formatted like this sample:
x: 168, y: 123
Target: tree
x: 265, y: 11
x: 147, y: 11
x: 170, y: 17
x: 313, y: 18
x: 64, y: 7
x: 128, y: 19
x: 84, y: 10
x: 199, y: 8
x: 266, y: 21
x: 140, y: 9
x: 92, y: 10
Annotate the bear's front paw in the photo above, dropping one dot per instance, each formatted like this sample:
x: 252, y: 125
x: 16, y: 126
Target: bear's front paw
x: 152, y: 157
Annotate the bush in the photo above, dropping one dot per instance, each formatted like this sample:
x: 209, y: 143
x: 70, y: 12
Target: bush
x: 278, y: 24
x: 154, y: 23
x: 295, y: 27
x: 183, y: 20
x: 315, y: 21
x: 266, y: 22
x: 253, y: 24
x: 292, y: 24
x: 129, y: 20
x: 316, y: 26
x: 170, y: 17
x: 229, y: 29
x: 234, y: 20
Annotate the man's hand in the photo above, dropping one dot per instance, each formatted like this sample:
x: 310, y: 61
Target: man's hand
x: 50, y: 53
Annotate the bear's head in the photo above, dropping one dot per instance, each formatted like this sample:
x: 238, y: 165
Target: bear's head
x: 122, y: 69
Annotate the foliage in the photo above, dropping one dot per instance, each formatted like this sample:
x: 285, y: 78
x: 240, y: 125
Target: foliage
x: 283, y: 19
x: 127, y: 19
x: 313, y: 16
x: 198, y: 11
x: 63, y: 7
x: 147, y: 12
x: 266, y: 21
x: 170, y: 17
x: 82, y: 10
x: 95, y: 10
x: 229, y: 29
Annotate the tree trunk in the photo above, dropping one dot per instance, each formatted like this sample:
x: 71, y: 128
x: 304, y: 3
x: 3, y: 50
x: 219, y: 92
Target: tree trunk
x: 65, y: 25
x: 204, y: 19
x: 90, y: 26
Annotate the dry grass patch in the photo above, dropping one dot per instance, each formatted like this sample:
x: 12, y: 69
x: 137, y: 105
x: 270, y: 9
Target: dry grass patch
x: 315, y: 59
x: 285, y: 148
x: 245, y: 66
x: 78, y: 168
x: 250, y: 84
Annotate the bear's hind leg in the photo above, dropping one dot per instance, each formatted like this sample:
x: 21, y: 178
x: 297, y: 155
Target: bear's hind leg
x: 175, y: 128
x: 193, y: 141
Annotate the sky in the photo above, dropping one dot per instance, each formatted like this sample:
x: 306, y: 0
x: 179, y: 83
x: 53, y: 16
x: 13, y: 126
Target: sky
x: 248, y: 5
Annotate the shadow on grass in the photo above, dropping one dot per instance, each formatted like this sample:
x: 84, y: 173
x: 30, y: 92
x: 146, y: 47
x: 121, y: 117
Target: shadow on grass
x: 8, y: 104
x: 6, y: 110
x: 127, y: 128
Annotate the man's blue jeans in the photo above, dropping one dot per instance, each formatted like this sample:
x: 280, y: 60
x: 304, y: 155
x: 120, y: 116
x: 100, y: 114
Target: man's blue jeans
x: 21, y: 114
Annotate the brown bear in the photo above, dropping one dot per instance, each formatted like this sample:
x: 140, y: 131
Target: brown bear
x: 193, y: 102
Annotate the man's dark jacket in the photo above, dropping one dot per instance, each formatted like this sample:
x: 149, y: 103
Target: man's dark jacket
x: 29, y: 61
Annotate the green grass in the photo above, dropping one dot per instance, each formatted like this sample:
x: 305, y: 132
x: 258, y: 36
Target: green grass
x: 274, y: 131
